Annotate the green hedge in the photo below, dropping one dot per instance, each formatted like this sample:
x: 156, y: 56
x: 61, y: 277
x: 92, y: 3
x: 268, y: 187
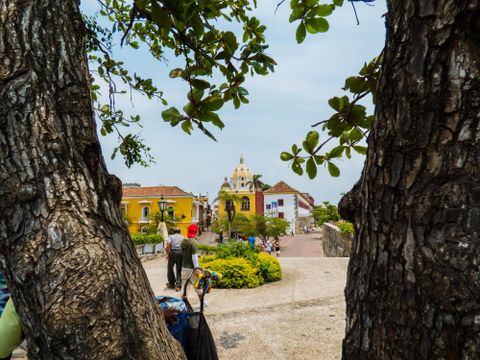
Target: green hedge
x: 207, y: 248
x: 270, y: 268
x: 141, y: 239
x: 242, y: 267
x: 236, y: 273
x: 234, y: 248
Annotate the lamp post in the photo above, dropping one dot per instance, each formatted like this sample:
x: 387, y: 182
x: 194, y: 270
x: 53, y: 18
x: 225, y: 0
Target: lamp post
x: 162, y: 205
x: 162, y: 227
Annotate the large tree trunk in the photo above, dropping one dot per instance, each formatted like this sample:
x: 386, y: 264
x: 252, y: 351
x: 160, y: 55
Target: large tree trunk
x: 76, y: 280
x: 413, y: 288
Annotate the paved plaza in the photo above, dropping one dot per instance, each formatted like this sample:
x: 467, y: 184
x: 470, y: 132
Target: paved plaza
x: 300, y: 317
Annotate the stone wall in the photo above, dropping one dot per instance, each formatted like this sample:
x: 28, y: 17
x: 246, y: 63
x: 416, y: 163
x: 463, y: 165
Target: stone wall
x: 334, y: 243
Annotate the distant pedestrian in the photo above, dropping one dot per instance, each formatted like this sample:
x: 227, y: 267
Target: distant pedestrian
x: 251, y: 242
x: 277, y: 248
x: 174, y: 254
x: 268, y: 247
x: 220, y: 237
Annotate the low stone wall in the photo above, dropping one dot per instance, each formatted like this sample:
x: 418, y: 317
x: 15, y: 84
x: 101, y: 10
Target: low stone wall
x: 334, y: 243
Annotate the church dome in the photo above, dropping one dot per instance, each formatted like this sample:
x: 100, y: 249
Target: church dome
x: 242, y: 172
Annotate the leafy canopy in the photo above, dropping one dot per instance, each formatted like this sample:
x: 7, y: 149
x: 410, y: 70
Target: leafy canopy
x: 190, y: 31
x: 198, y: 34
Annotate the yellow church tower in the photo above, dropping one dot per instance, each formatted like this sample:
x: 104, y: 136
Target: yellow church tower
x: 240, y: 184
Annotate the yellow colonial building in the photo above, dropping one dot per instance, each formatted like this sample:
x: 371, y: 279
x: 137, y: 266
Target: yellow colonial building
x: 139, y: 204
x: 240, y: 184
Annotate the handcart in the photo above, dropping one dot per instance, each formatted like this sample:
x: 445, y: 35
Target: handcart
x: 191, y: 328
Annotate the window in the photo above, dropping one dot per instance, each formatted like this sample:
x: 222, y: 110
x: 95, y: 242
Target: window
x: 123, y: 209
x: 242, y: 185
x: 280, y: 202
x: 281, y: 215
x: 145, y: 212
x: 245, y: 203
x: 171, y: 212
x: 268, y: 206
x: 144, y: 229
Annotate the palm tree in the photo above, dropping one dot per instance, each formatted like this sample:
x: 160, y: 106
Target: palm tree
x: 229, y: 199
x: 256, y: 184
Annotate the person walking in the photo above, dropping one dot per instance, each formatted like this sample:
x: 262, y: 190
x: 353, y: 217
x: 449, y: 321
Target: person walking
x: 173, y: 251
x: 190, y: 264
x: 277, y: 248
x: 268, y: 247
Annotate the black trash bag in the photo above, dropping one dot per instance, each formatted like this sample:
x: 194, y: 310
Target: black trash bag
x: 199, y: 343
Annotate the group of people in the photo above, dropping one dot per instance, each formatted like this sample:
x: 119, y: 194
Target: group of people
x: 182, y: 255
x: 273, y: 247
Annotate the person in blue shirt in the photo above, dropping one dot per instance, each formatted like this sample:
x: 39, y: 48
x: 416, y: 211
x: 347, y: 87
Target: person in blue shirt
x: 4, y: 293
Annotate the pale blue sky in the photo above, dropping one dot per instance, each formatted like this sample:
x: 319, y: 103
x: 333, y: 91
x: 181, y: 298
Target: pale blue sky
x: 282, y: 107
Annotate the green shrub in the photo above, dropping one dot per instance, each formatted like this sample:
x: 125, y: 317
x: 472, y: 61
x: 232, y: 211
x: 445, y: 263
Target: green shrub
x: 269, y: 267
x: 234, y: 248
x: 205, y: 260
x: 346, y: 228
x: 207, y: 249
x: 237, y: 273
x: 141, y: 239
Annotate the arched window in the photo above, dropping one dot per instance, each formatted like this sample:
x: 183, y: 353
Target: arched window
x: 145, y: 212
x: 171, y: 212
x: 245, y: 203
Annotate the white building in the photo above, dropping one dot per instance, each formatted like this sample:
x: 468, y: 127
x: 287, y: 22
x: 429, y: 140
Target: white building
x: 285, y: 202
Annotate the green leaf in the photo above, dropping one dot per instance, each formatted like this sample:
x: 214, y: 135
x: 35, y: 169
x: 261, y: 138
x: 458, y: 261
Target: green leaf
x: 347, y: 152
x: 171, y: 114
x: 360, y: 149
x: 196, y: 95
x: 301, y: 33
x: 236, y: 102
x: 319, y: 159
x: 200, y: 84
x: 338, y: 2
x: 311, y: 168
x: 159, y: 16
x: 230, y: 41
x: 336, y: 152
x: 212, y: 102
x: 176, y: 73
x: 333, y: 169
x: 334, y: 103
x: 187, y: 126
x: 312, y: 139
x: 355, y: 135
x: 316, y: 25
x: 323, y: 10
x: 356, y: 84
x: 285, y: 156
x: 218, y: 123
x: 297, y: 168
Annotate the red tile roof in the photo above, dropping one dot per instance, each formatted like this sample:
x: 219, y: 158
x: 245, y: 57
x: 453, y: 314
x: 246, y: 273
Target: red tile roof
x: 154, y: 191
x: 281, y: 187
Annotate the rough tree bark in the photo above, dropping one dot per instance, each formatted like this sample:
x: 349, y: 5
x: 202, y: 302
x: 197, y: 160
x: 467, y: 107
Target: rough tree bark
x: 77, y: 283
x: 413, y: 288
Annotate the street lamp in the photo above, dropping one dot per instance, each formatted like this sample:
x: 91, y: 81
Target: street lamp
x: 162, y: 204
